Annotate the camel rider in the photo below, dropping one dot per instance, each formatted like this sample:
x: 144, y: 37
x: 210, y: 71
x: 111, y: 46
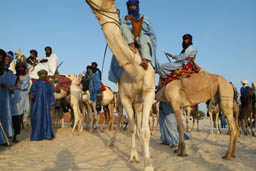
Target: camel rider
x: 138, y: 32
x: 95, y: 84
x: 49, y: 63
x: 95, y: 65
x: 243, y: 90
x: 32, y: 60
x: 188, y: 51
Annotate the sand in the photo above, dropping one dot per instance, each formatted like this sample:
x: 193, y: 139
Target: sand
x: 89, y: 152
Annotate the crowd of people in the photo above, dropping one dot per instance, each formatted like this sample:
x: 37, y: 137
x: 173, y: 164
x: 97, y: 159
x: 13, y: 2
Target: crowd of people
x: 18, y: 97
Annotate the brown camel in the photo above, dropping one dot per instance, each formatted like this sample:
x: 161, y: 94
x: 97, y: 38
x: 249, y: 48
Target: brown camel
x: 199, y: 88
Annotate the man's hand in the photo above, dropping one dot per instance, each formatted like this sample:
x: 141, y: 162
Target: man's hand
x: 44, y: 61
x: 144, y: 64
x: 168, y: 54
x: 31, y: 97
x: 133, y: 48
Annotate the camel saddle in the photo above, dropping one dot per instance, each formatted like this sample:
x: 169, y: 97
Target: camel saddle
x: 136, y: 25
x: 190, y: 67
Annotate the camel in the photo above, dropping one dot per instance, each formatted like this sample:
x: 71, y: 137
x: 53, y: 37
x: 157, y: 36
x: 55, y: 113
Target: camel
x: 193, y: 111
x: 197, y: 88
x: 213, y: 109
x: 137, y: 85
x: 108, y: 98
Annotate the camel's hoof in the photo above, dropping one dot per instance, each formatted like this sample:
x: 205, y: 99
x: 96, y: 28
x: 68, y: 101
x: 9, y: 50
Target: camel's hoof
x: 134, y: 160
x: 175, y: 151
x: 182, y: 155
x: 149, y: 169
x: 226, y: 158
x: 233, y: 156
x: 111, y: 143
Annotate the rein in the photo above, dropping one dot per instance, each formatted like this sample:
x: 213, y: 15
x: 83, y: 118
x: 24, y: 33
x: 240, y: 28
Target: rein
x: 102, y: 12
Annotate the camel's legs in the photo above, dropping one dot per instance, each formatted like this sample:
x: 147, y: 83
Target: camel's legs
x: 211, y: 120
x: 95, y: 114
x: 217, y: 123
x: 227, y: 111
x: 251, y: 116
x: 111, y: 116
x: 76, y: 115
x: 119, y: 109
x: 138, y: 115
x: 198, y: 130
x: 193, y: 123
x: 188, y: 110
x: 132, y: 128
x: 181, y: 147
x: 148, y: 98
x: 153, y: 121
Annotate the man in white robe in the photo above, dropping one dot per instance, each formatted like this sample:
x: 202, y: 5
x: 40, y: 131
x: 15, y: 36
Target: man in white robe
x: 49, y: 63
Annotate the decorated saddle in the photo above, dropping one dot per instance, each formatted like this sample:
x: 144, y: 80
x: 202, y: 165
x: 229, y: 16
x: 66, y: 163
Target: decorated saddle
x: 190, y: 67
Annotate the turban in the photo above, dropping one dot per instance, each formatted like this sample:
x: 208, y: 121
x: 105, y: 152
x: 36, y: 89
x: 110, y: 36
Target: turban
x: 187, y: 36
x: 40, y: 73
x: 133, y: 12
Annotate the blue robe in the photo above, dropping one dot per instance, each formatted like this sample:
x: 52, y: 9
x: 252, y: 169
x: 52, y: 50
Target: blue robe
x: 168, y: 125
x: 40, y: 110
x: 94, y: 85
x: 167, y: 68
x: 7, y: 107
x: 147, y: 46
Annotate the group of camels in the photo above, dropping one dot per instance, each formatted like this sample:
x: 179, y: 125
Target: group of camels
x: 137, y: 91
x: 137, y: 88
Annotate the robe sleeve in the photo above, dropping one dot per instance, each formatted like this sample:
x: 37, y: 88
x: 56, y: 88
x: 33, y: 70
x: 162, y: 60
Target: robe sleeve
x: 33, y: 88
x: 51, y: 94
x: 189, y: 52
x: 148, y: 29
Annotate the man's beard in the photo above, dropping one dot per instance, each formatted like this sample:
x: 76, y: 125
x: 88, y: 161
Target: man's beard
x: 94, y: 70
x: 48, y: 54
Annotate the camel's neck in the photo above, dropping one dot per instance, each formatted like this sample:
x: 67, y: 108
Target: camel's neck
x: 122, y: 52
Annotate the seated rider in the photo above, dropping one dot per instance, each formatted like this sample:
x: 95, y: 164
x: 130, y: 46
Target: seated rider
x: 243, y: 91
x: 188, y: 52
x: 138, y: 32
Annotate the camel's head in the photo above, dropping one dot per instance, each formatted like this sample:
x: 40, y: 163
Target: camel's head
x: 76, y: 80
x: 104, y: 10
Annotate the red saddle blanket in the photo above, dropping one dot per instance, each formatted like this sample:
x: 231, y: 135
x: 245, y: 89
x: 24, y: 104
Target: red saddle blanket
x: 63, y: 82
x: 103, y: 88
x: 183, y: 72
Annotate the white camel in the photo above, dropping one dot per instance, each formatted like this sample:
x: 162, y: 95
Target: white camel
x: 90, y: 106
x: 137, y: 85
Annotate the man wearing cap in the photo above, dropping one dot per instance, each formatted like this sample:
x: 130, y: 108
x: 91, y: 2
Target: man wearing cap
x: 188, y: 51
x: 7, y: 107
x: 138, y: 32
x: 49, y: 63
x: 41, y: 94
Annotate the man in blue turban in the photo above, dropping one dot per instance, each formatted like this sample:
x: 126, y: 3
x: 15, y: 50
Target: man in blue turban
x: 138, y: 32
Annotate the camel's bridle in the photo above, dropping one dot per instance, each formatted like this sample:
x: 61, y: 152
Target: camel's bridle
x: 104, y: 13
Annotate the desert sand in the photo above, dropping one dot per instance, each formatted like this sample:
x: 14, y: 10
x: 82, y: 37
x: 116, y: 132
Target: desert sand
x: 90, y: 152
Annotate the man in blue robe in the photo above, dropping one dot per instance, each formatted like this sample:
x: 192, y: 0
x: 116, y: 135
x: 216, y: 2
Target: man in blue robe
x: 95, y: 83
x: 188, y: 51
x: 168, y: 126
x: 41, y: 94
x: 7, y: 108
x: 145, y: 42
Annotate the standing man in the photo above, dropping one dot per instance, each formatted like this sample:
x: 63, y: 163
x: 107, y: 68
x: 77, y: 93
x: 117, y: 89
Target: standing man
x: 49, y: 63
x: 21, y: 98
x: 41, y: 94
x: 7, y: 107
x: 138, y: 32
